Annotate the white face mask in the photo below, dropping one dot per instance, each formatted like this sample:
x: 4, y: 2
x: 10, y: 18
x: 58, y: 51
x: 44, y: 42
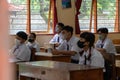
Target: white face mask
x: 56, y: 29
x: 17, y: 42
x: 30, y: 45
x: 64, y: 36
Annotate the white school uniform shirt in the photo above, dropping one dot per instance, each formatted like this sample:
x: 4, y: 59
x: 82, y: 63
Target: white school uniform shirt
x: 34, y: 45
x: 72, y: 42
x: 107, y: 44
x: 95, y: 60
x: 55, y: 39
x: 20, y: 53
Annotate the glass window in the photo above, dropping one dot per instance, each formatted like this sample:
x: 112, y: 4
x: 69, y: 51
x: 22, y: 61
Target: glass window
x: 106, y: 10
x: 18, y: 15
x: 84, y: 17
x: 39, y: 16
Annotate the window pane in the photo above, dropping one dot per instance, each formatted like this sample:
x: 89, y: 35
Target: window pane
x: 18, y: 15
x: 84, y: 17
x: 39, y: 15
x: 106, y: 14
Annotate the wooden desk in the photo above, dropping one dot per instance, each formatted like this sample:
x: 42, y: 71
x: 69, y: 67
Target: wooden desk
x: 117, y: 46
x: 118, y: 68
x: 52, y: 70
x: 39, y: 56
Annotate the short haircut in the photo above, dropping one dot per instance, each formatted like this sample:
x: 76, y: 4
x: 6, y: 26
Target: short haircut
x: 61, y: 25
x: 103, y: 30
x: 33, y: 34
x: 88, y: 36
x: 68, y: 29
x: 22, y: 35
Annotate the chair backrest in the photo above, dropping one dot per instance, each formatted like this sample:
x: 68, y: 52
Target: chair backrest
x: 117, y: 56
x: 113, y: 67
x: 110, y: 67
x: 116, y: 41
x: 32, y: 58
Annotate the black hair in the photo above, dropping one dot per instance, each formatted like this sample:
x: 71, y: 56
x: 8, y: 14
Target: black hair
x: 22, y: 35
x: 103, y: 30
x: 68, y: 29
x: 88, y: 36
x: 61, y: 25
x: 33, y: 34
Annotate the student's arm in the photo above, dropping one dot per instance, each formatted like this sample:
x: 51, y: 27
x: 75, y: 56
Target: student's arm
x: 37, y: 47
x: 103, y: 51
x: 107, y: 56
x: 97, y: 61
x: 53, y: 39
x: 57, y: 52
x: 23, y: 54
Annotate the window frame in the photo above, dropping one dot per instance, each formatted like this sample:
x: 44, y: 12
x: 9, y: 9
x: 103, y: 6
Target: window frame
x: 28, y: 19
x: 95, y: 15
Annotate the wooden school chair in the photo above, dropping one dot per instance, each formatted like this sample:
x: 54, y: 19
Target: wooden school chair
x: 117, y: 64
x: 32, y: 58
x: 116, y: 41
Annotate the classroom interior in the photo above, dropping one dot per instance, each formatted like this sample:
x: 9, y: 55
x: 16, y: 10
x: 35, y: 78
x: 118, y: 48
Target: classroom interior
x: 41, y: 17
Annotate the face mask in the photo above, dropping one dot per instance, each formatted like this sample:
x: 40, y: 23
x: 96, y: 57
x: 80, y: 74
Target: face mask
x: 30, y: 45
x: 101, y: 37
x: 31, y: 40
x: 64, y: 36
x: 56, y: 29
x: 17, y: 42
x: 80, y: 44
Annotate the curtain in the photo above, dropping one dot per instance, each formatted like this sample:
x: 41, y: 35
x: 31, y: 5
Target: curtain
x: 78, y: 5
x: 55, y: 18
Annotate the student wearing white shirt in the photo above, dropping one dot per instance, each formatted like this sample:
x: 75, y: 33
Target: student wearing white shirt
x: 57, y: 40
x: 66, y: 46
x: 32, y: 43
x: 88, y: 54
x: 107, y: 48
x: 20, y: 52
x: 104, y: 44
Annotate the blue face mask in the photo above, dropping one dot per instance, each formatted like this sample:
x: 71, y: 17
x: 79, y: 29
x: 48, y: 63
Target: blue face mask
x: 80, y: 44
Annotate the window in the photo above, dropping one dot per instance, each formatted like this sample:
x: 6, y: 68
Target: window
x: 106, y: 10
x: 38, y: 19
x: 106, y: 15
x: 84, y: 17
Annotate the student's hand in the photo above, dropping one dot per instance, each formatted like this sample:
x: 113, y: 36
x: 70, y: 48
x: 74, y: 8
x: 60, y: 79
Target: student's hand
x: 11, y: 55
x: 57, y: 44
x: 101, y: 50
x: 55, y: 52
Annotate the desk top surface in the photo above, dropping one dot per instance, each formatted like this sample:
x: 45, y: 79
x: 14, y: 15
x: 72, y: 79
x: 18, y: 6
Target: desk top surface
x: 57, y: 65
x: 48, y: 54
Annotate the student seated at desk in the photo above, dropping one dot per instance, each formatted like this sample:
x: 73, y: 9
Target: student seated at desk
x: 32, y: 43
x: 106, y: 47
x: 66, y: 46
x: 57, y: 40
x: 20, y: 52
x: 104, y: 44
x: 88, y: 55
